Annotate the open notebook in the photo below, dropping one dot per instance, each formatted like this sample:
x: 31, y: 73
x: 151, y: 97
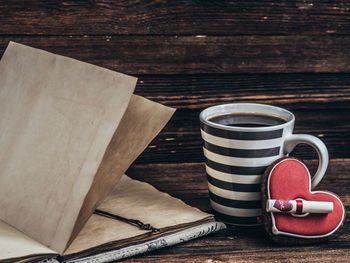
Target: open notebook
x: 68, y: 132
x: 105, y: 239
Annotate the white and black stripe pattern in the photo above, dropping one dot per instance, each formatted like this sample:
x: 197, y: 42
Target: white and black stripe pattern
x: 235, y: 162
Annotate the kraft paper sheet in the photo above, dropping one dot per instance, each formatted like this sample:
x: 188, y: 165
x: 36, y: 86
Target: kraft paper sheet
x: 142, y: 121
x: 135, y: 200
x: 57, y: 118
x: 14, y: 244
x: 130, y: 199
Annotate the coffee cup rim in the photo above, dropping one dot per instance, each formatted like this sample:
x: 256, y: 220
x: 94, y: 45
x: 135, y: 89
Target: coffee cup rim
x: 221, y: 109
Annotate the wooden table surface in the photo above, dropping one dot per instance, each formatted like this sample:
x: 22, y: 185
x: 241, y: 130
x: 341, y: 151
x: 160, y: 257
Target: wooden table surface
x: 194, y: 54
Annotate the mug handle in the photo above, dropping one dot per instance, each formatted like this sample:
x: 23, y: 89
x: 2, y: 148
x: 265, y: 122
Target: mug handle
x: 294, y: 139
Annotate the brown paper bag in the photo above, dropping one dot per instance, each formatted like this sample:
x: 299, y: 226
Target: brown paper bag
x: 67, y: 133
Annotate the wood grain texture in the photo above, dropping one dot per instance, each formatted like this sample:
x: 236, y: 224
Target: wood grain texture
x: 320, y: 102
x: 239, y: 244
x: 294, y: 91
x: 180, y: 141
x: 202, y: 55
x: 107, y: 17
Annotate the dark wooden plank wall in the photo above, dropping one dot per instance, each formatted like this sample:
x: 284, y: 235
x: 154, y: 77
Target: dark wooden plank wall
x: 194, y: 54
x: 213, y: 17
x: 199, y: 54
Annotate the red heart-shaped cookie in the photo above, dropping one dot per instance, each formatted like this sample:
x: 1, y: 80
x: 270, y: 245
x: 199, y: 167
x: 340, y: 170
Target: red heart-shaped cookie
x: 289, y: 179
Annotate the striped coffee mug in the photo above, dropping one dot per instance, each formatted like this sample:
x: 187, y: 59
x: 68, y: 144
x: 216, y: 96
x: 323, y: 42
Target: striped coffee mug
x: 236, y: 156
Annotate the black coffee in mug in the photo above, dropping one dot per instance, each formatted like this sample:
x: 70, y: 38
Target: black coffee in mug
x: 251, y: 120
x: 240, y: 140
